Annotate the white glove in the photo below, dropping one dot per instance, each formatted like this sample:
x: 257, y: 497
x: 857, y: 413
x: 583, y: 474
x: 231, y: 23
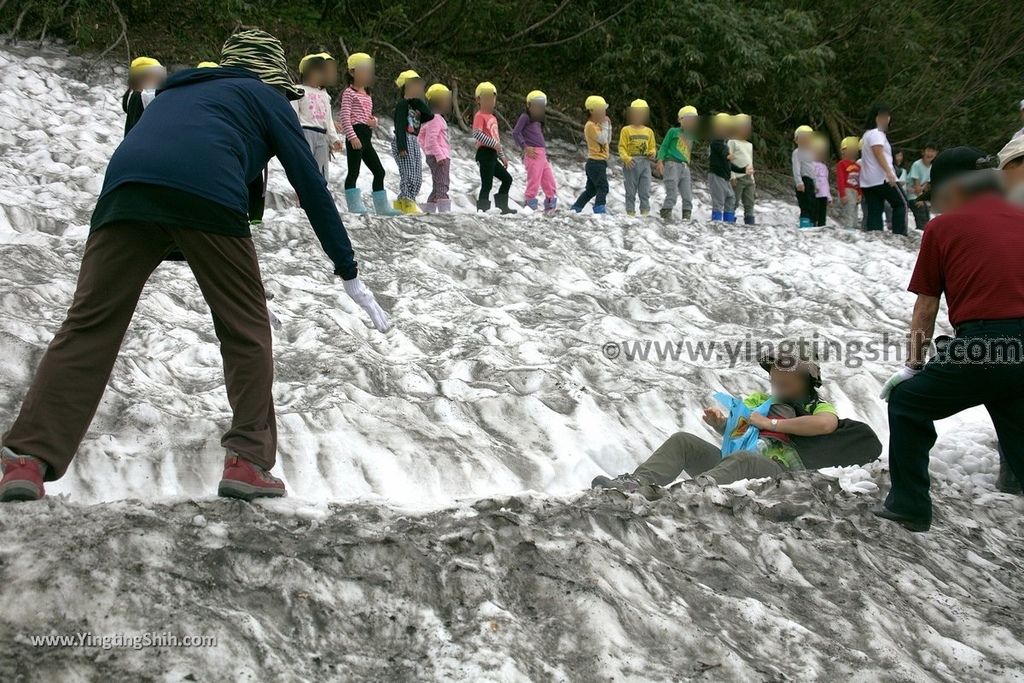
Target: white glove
x: 901, y: 375
x: 364, y: 297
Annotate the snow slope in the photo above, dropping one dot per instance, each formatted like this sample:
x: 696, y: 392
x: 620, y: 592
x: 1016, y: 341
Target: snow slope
x: 492, y: 384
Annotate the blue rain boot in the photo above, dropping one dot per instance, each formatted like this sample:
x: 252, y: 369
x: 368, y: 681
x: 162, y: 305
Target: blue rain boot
x: 806, y: 223
x: 716, y: 215
x: 382, y: 206
x: 729, y: 217
x: 748, y: 219
x: 354, y: 199
x: 532, y: 203
x: 602, y: 209
x: 550, y: 204
x: 577, y: 209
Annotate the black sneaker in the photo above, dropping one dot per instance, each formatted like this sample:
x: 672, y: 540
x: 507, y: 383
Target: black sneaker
x: 909, y: 523
x: 627, y: 483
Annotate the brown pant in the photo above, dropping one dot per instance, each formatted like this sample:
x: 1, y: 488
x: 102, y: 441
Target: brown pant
x: 74, y: 371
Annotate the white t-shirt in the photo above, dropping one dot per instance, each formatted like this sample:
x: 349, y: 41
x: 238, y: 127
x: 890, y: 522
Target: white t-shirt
x: 871, y: 173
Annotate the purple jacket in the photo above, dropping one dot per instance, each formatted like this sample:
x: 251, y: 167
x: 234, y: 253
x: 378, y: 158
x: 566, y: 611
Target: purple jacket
x: 528, y: 133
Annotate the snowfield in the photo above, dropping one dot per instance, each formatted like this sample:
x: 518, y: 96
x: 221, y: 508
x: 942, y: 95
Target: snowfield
x: 438, y: 526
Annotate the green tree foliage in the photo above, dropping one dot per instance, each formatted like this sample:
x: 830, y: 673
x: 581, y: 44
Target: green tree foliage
x: 951, y: 70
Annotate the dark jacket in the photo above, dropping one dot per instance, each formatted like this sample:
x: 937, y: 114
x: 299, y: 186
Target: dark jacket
x: 131, y: 103
x: 409, y: 116
x: 210, y: 132
x: 719, y: 163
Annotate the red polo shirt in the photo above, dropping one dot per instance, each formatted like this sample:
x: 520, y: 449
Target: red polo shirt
x: 975, y: 256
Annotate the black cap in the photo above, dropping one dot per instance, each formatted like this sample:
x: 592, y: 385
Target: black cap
x: 954, y: 162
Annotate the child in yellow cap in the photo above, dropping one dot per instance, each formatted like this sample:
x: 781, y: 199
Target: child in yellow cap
x: 674, y: 163
x: 490, y: 156
x: 529, y: 135
x: 314, y: 111
x: 435, y: 145
x: 597, y: 131
x: 803, y: 174
x: 410, y: 112
x: 742, y: 151
x: 637, y: 151
x: 145, y: 75
x: 357, y: 122
x: 848, y: 181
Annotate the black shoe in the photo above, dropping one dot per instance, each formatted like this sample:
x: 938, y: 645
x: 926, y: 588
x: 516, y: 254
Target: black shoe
x: 501, y: 201
x: 626, y: 483
x: 483, y: 205
x: 909, y: 523
x: 666, y: 214
x: 687, y: 215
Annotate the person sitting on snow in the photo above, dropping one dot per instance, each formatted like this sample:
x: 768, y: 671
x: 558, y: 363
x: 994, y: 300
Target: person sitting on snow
x: 792, y: 436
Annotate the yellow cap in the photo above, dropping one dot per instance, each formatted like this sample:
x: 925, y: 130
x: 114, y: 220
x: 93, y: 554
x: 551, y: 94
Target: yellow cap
x: 801, y: 131
x: 436, y: 90
x: 143, y: 63
x: 639, y: 104
x: 536, y: 96
x: 486, y: 88
x: 328, y: 57
x: 741, y: 119
x: 849, y: 141
x: 595, y: 102
x: 721, y: 118
x: 688, y: 110
x: 405, y: 77
x: 304, y: 62
x: 207, y: 65
x: 357, y: 59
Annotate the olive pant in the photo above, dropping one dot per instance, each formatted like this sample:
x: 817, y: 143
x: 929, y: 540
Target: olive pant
x: 74, y: 371
x: 684, y: 451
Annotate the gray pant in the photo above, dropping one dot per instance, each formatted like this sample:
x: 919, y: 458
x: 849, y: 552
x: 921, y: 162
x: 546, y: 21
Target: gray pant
x: 850, y: 202
x: 638, y: 181
x: 677, y: 184
x: 698, y: 457
x: 745, y: 194
x: 723, y: 199
x: 320, y: 148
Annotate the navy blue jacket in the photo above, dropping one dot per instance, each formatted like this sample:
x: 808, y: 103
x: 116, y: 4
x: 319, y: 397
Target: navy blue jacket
x: 211, y: 131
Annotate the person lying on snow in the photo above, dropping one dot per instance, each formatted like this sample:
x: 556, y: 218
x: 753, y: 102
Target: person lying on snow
x: 178, y: 183
x: 799, y: 431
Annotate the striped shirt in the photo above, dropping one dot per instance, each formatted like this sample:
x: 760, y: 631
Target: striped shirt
x: 356, y: 108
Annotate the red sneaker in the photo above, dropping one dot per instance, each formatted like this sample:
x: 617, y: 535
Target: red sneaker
x: 246, y: 480
x: 23, y: 477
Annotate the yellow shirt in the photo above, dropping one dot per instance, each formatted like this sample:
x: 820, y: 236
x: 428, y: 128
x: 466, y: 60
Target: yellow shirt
x: 598, y: 139
x: 637, y: 141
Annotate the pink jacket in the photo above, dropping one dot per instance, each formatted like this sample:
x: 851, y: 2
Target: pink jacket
x: 434, y: 138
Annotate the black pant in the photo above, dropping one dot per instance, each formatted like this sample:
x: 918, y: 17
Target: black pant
x: 491, y: 168
x: 806, y: 200
x: 875, y: 199
x: 922, y: 214
x: 366, y: 155
x: 820, y: 211
x: 597, y: 184
x: 945, y: 387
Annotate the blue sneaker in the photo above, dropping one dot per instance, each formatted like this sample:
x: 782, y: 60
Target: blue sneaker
x: 729, y: 217
x: 716, y: 215
x: 806, y: 223
x: 600, y: 209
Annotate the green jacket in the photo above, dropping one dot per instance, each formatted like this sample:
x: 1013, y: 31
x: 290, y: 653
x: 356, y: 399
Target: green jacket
x: 676, y: 146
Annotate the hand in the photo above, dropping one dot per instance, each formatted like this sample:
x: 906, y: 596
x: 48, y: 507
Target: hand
x: 504, y: 162
x: 531, y: 152
x: 364, y: 297
x: 660, y: 168
x: 890, y: 178
x: 403, y: 153
x: 901, y: 376
x: 715, y: 417
x: 356, y: 144
x: 372, y: 122
x: 337, y: 146
x: 629, y: 163
x: 800, y: 187
x: 750, y: 170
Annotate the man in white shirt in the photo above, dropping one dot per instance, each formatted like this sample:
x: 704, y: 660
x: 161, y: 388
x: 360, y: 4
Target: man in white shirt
x: 878, y: 178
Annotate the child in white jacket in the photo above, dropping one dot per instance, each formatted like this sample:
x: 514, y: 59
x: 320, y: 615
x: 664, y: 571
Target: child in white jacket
x: 314, y: 110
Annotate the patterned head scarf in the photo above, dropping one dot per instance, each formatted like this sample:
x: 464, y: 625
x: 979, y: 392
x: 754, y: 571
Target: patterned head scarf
x: 261, y: 53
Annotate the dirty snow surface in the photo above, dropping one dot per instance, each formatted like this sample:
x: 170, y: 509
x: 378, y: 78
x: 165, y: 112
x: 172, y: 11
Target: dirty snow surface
x: 438, y: 526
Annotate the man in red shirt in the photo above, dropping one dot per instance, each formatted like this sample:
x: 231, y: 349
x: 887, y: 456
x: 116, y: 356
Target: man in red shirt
x: 974, y: 254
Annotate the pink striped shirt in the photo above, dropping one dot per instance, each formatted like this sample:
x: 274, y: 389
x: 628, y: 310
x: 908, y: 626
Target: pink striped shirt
x: 356, y: 107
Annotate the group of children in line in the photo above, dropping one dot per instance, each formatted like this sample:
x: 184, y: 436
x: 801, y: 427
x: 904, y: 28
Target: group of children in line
x: 421, y: 135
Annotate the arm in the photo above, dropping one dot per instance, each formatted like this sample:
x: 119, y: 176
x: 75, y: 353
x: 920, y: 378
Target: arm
x: 346, y: 116
x: 666, y: 144
x: 401, y: 121
x: 879, y: 153
x: 841, y: 181
x: 426, y: 113
x: 652, y: 145
x: 624, y: 147
x: 922, y: 327
x: 605, y: 136
x: 805, y: 425
x: 290, y: 147
x: 428, y: 137
x: 517, y: 132
x: 798, y: 179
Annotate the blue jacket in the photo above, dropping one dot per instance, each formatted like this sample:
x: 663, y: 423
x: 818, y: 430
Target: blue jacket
x: 211, y: 131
